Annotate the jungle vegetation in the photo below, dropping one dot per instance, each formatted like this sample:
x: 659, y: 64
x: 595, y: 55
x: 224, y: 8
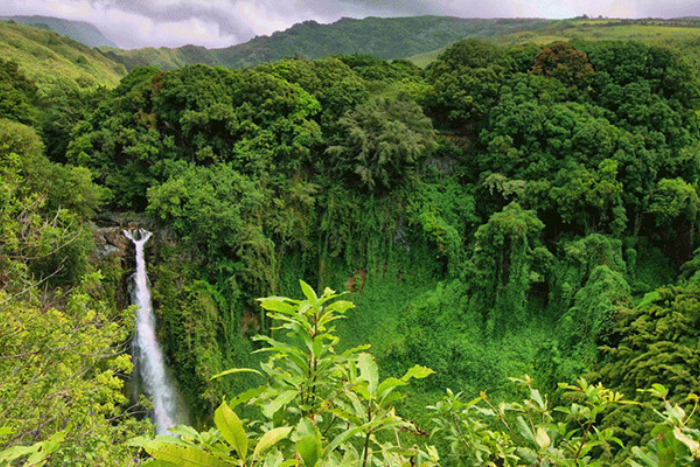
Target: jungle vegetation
x: 507, y: 211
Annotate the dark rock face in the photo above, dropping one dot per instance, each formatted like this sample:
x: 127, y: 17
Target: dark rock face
x: 111, y: 241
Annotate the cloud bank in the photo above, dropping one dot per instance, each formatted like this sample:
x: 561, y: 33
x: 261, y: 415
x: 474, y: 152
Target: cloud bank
x: 222, y: 23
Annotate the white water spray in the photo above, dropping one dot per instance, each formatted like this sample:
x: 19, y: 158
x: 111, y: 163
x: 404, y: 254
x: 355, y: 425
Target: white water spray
x: 168, y: 409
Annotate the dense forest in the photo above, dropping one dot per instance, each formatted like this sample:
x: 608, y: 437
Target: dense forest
x: 509, y: 234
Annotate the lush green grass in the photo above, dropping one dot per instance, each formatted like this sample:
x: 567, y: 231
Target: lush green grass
x: 50, y: 59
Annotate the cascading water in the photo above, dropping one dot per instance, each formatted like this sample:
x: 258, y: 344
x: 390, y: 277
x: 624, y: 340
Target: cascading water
x: 168, y: 409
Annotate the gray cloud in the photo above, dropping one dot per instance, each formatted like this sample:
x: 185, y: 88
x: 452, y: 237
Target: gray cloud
x: 221, y: 23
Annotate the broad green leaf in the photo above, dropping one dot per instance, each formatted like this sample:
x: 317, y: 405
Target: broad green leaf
x: 402, y: 451
x: 245, y: 396
x: 5, y: 430
x: 236, y: 370
x: 309, y: 293
x: 350, y: 352
x: 138, y: 442
x: 649, y: 460
x: 344, y: 413
x: 184, y: 431
x: 283, y: 399
x: 661, y: 390
x: 309, y: 448
x: 47, y: 448
x: 692, y: 445
x: 340, y: 307
x: 271, y: 438
x: 165, y: 440
x: 15, y: 452
x: 186, y: 456
x: 543, y: 439
x: 276, y: 459
x: 526, y: 432
x: 278, y: 299
x: 389, y: 385
x: 347, y: 434
x: 535, y: 396
x: 279, y: 306
x: 231, y: 429
x: 368, y: 371
x: 418, y: 372
x: 318, y: 347
x: 657, y: 390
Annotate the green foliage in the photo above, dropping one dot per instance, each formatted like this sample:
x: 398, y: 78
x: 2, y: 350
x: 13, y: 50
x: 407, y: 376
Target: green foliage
x: 322, y: 401
x: 331, y: 81
x: 37, y: 454
x: 655, y: 342
x: 563, y: 62
x: 675, y: 441
x: 445, y: 213
x: 18, y: 95
x: 62, y: 354
x: 217, y: 210
x: 466, y: 81
x: 383, y: 142
x: 372, y: 68
x: 596, y: 307
x: 508, y: 258
x: 536, y: 434
x: 562, y: 186
x: 591, y: 196
x: 61, y: 372
x: 153, y: 122
x: 51, y: 60
x: 63, y: 108
x: 66, y: 186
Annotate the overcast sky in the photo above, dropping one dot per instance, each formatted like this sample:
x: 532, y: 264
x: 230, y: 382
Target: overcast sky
x: 221, y: 23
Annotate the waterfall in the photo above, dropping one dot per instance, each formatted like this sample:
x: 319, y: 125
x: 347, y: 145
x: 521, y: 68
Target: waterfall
x: 168, y: 408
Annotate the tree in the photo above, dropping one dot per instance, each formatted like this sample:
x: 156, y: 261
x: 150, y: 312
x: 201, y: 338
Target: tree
x: 674, y: 203
x: 565, y: 63
x: 507, y: 259
x: 63, y: 186
x: 61, y: 353
x: 590, y: 197
x: 18, y: 95
x: 383, y: 142
x: 653, y: 342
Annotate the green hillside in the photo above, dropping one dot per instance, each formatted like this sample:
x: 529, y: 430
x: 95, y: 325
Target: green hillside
x: 421, y: 39
x: 79, y: 31
x: 51, y: 59
x: 387, y: 38
x: 682, y: 34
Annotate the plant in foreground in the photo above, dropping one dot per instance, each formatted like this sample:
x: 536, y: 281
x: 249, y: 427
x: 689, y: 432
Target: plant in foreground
x: 319, y: 408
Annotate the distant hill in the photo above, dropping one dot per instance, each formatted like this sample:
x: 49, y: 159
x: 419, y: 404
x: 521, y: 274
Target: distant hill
x: 48, y: 57
x: 387, y: 38
x: 51, y: 59
x: 680, y: 33
x: 79, y: 31
x: 420, y: 39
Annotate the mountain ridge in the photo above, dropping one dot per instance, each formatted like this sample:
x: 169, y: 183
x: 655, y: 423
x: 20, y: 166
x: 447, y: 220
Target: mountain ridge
x: 54, y: 60
x: 83, y: 32
x: 387, y: 38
